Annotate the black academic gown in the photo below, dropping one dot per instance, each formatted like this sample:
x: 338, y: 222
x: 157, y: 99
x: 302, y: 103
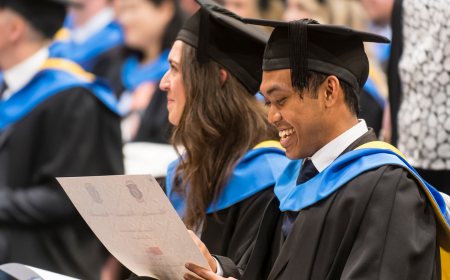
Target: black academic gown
x: 155, y: 126
x: 379, y: 225
x: 233, y: 232
x: 70, y: 134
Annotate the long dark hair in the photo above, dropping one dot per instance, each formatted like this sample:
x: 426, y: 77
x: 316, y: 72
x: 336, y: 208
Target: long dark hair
x: 219, y: 125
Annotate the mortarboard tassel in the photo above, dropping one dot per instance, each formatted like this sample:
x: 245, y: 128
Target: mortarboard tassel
x: 203, y: 39
x: 298, y: 49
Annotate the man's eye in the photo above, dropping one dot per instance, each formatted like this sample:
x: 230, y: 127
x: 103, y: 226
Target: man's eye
x: 279, y: 101
x: 267, y: 104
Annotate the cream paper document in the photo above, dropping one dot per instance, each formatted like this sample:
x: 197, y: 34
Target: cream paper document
x: 136, y: 222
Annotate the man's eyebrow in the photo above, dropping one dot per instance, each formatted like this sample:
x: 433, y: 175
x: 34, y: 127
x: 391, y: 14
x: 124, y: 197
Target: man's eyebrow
x: 272, y: 89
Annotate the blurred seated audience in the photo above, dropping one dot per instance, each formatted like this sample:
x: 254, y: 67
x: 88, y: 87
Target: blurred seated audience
x: 259, y: 9
x: 350, y: 13
x: 90, y: 30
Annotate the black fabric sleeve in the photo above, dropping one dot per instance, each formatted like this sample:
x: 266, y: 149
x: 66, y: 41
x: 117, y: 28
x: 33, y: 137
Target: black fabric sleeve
x: 72, y: 134
x: 230, y: 269
x: 397, y: 235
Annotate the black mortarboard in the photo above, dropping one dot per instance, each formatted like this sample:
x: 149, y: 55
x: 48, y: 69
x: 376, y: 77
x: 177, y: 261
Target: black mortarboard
x: 329, y: 49
x: 221, y: 35
x: 46, y: 16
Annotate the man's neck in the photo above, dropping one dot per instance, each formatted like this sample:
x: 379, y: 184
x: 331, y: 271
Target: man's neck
x: 18, y: 53
x: 90, y: 9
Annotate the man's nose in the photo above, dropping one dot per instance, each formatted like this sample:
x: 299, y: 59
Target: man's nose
x: 274, y: 115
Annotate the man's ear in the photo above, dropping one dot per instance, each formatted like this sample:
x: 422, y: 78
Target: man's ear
x: 223, y: 77
x: 332, y: 87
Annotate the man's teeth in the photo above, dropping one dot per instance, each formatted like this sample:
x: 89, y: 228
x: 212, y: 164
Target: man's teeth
x: 286, y: 133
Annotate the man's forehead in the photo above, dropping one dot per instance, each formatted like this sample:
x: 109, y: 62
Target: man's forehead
x: 276, y: 80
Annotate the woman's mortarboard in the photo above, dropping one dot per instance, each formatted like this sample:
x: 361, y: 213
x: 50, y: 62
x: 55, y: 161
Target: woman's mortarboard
x: 46, y: 16
x: 221, y: 35
x: 305, y: 45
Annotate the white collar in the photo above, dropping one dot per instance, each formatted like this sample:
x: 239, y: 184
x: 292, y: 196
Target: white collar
x: 94, y: 25
x: 331, y: 151
x: 21, y: 74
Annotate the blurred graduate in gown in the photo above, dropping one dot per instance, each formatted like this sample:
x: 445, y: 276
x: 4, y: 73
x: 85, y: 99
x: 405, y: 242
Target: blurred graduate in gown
x: 89, y: 31
x: 135, y: 70
x: 56, y: 120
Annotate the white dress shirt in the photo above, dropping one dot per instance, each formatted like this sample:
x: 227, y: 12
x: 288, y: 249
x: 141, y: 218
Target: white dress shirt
x: 98, y: 22
x: 20, y: 75
x: 329, y: 153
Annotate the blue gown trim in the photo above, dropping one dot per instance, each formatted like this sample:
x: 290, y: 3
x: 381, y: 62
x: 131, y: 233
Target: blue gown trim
x: 346, y: 167
x: 86, y: 54
x: 45, y: 84
x: 258, y: 170
x: 134, y: 74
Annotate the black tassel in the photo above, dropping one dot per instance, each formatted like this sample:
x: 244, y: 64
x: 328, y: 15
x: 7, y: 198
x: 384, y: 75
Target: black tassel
x: 203, y: 37
x: 298, y: 52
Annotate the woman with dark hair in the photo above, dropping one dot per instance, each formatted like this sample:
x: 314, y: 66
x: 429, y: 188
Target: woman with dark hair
x: 150, y: 28
x: 232, y: 157
x: 223, y: 181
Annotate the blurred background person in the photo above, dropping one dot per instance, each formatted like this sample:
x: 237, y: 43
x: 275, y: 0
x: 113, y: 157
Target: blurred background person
x: 379, y: 12
x: 90, y: 31
x: 189, y: 7
x: 56, y: 120
x: 135, y: 70
x: 259, y: 9
x: 373, y: 97
x: 419, y: 85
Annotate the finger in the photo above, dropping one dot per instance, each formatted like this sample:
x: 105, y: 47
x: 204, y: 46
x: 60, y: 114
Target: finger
x: 202, y: 272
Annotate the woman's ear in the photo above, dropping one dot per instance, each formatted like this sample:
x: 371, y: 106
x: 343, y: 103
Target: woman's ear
x: 223, y: 77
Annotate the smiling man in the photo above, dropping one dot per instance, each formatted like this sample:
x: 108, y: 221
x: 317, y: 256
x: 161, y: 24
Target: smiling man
x: 349, y: 207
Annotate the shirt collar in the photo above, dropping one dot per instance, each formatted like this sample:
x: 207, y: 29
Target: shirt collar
x: 21, y: 74
x: 331, y: 151
x: 94, y: 25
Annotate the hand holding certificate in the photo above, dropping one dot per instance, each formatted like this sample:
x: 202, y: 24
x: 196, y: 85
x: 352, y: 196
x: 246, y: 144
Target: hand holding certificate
x: 136, y: 222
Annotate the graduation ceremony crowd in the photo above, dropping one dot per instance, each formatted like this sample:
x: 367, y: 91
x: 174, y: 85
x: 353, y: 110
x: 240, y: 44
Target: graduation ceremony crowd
x: 312, y: 136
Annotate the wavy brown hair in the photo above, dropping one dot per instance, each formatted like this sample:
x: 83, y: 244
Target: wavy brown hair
x: 219, y: 125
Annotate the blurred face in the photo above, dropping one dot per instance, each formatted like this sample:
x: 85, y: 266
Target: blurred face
x: 243, y: 8
x: 299, y: 121
x: 172, y: 82
x: 142, y: 21
x: 295, y: 10
x: 379, y: 11
x: 6, y: 18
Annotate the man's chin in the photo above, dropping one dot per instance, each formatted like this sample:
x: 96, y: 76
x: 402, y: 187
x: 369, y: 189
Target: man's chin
x: 293, y: 154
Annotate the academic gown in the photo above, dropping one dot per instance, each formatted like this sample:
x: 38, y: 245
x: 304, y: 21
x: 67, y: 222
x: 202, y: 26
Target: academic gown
x: 378, y: 225
x: 237, y: 225
x: 155, y: 126
x: 71, y: 133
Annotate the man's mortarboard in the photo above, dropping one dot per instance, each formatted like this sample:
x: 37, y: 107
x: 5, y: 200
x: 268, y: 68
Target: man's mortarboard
x: 329, y: 49
x: 221, y: 35
x: 46, y: 16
